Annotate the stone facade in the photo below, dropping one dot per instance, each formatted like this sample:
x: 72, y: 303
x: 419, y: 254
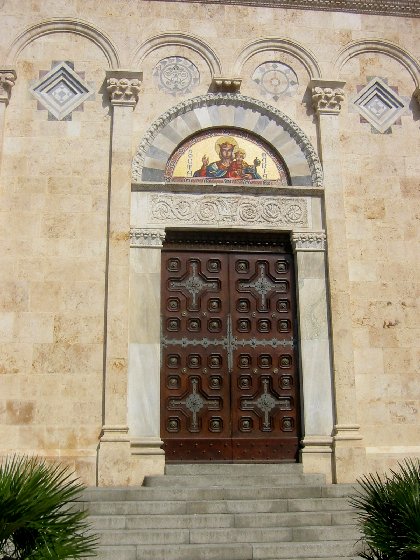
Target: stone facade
x: 94, y: 99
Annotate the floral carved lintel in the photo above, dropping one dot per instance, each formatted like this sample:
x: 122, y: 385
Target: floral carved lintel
x: 123, y: 87
x: 327, y: 95
x: 229, y: 210
x: 7, y: 81
x: 309, y: 241
x: 146, y: 237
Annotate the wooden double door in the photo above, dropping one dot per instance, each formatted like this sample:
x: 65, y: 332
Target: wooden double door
x: 229, y: 368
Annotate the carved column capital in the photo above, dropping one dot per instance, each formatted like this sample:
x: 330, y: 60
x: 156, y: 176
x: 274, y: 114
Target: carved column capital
x: 7, y: 81
x: 327, y: 96
x: 123, y: 87
x: 147, y: 237
x: 417, y: 94
x: 308, y: 241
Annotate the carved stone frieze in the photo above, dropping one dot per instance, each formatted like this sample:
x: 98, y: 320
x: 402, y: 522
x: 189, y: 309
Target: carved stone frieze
x: 123, y: 87
x: 7, y: 81
x: 308, y: 241
x: 227, y: 210
x: 385, y: 7
x: 146, y: 237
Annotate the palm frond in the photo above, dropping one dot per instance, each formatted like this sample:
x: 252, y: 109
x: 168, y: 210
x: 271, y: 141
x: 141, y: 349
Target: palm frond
x: 388, y: 511
x: 37, y: 515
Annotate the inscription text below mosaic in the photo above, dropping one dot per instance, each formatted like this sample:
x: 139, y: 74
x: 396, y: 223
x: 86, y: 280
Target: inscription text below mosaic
x: 226, y: 156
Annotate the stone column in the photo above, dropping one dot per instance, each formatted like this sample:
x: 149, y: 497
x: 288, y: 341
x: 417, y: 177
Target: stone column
x: 114, y: 450
x: 315, y: 358
x: 144, y: 353
x: 349, y: 453
x: 7, y: 81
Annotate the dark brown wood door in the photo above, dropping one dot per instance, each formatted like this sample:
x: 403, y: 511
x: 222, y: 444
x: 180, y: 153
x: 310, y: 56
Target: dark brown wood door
x: 229, y: 384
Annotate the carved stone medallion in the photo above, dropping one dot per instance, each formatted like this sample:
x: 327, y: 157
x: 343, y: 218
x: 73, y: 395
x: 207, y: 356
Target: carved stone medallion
x: 176, y: 75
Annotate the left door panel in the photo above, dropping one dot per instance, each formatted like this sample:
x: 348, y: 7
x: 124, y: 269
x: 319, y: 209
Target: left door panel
x: 195, y: 391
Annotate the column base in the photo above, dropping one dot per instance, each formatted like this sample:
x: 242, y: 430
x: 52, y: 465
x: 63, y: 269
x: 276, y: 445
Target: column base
x: 114, y: 456
x: 148, y: 456
x: 316, y: 456
x: 349, y: 453
x: 125, y: 462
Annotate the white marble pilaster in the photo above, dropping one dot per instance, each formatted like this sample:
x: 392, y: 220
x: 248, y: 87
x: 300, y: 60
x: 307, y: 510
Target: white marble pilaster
x: 144, y: 351
x: 315, y: 359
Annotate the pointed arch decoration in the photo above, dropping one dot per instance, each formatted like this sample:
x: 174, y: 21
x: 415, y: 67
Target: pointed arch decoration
x: 226, y: 110
x: 65, y: 25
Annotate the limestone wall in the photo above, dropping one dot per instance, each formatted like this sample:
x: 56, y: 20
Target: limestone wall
x: 55, y: 184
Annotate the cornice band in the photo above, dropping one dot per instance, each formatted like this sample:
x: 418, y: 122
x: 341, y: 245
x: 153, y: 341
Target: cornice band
x: 407, y: 8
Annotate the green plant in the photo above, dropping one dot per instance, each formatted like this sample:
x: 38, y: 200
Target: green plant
x: 38, y: 517
x: 388, y: 511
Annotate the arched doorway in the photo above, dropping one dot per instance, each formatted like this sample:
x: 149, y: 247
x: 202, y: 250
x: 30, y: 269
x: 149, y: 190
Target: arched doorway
x: 294, y: 210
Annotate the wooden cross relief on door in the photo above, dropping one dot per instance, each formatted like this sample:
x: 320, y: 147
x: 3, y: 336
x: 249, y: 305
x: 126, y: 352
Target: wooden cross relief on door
x: 229, y: 376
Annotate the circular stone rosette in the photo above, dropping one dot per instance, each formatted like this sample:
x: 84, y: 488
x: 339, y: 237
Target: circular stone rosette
x: 176, y: 75
x: 275, y: 80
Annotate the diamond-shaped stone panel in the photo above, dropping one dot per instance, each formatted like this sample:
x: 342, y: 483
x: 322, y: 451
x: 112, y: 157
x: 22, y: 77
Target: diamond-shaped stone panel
x: 61, y: 91
x: 380, y: 105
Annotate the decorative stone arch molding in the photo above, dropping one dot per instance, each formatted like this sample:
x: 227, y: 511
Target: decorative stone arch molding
x: 178, y: 40
x: 303, y: 55
x: 379, y: 46
x: 226, y: 110
x: 65, y: 25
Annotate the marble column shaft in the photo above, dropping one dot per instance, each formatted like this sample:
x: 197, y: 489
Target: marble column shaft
x: 314, y: 352
x: 144, y: 353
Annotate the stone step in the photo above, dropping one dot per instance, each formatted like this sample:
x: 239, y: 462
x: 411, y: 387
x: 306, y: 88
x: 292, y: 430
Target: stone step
x: 220, y: 512
x: 332, y: 550
x: 243, y: 469
x: 295, y: 551
x: 94, y: 495
x: 227, y: 535
x: 245, y: 520
x: 231, y: 481
x: 196, y: 536
x: 177, y: 552
x: 218, y: 506
x: 266, y: 506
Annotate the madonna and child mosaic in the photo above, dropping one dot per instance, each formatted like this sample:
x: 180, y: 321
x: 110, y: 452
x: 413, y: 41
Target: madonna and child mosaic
x: 226, y: 156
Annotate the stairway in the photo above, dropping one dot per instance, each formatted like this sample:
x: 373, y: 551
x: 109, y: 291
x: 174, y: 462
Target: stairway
x: 225, y: 512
